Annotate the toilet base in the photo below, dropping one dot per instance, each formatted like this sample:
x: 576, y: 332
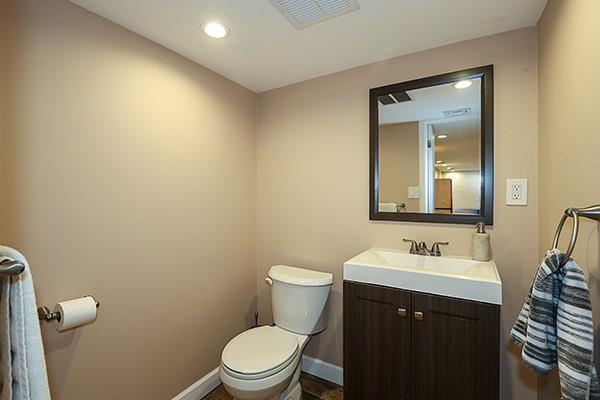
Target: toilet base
x: 295, y: 393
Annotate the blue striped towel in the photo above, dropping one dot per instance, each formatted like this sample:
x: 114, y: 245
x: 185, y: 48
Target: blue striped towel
x: 555, y: 325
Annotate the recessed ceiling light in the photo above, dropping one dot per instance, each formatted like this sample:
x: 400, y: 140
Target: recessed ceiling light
x: 215, y: 30
x: 439, y: 162
x: 442, y: 136
x: 463, y: 84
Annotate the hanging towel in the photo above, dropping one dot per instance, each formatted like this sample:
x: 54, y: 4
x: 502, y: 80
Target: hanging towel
x: 387, y: 207
x: 555, y: 325
x: 22, y: 363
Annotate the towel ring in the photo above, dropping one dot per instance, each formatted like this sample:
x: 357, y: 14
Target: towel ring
x: 11, y: 267
x: 568, y: 213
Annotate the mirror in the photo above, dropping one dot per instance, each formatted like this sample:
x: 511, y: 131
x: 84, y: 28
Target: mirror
x: 432, y: 149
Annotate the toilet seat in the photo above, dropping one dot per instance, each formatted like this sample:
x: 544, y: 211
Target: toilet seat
x: 259, y: 353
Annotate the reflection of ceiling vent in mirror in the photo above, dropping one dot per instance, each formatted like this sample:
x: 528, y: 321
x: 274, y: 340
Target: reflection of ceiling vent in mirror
x: 393, y: 98
x: 401, y: 97
x: 458, y: 112
x: 385, y: 100
x: 303, y: 13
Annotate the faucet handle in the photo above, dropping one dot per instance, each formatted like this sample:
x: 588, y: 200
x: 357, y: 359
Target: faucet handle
x: 414, y: 247
x: 435, y: 248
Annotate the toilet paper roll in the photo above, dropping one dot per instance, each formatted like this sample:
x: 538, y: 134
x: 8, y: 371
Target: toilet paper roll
x: 76, y: 312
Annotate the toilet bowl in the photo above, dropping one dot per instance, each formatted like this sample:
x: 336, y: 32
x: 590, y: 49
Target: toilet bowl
x: 261, y: 363
x: 264, y: 363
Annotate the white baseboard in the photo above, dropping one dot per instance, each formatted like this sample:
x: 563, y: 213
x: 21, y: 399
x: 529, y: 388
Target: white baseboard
x: 313, y: 366
x: 323, y: 370
x: 202, y: 387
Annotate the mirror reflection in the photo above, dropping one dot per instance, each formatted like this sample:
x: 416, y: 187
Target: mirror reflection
x: 430, y: 149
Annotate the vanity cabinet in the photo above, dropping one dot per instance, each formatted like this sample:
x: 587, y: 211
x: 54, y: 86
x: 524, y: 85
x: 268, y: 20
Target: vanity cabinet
x: 405, y: 345
x: 377, y: 354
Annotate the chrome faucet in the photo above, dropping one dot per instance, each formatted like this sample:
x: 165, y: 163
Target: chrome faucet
x: 414, y: 247
x: 422, y: 250
x: 435, y: 248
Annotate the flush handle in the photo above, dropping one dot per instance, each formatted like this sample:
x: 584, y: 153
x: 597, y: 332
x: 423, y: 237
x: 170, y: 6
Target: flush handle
x: 269, y: 281
x: 418, y: 315
x: 402, y: 312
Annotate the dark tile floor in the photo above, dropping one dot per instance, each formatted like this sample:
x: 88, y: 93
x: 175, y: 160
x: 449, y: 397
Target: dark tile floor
x: 313, y: 389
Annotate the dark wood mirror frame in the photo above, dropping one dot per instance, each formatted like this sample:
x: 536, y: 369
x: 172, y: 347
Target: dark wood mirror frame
x: 486, y: 73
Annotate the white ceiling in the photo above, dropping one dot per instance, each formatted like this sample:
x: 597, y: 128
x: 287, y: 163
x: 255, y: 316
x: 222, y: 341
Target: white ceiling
x: 265, y: 51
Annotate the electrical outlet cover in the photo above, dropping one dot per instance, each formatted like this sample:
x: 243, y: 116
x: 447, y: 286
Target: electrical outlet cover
x: 414, y: 192
x: 516, y: 192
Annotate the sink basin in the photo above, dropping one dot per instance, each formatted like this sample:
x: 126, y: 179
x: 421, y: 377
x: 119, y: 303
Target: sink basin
x: 452, y: 276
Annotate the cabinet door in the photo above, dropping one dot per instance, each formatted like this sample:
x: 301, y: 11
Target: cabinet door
x: 376, y: 343
x: 455, y: 349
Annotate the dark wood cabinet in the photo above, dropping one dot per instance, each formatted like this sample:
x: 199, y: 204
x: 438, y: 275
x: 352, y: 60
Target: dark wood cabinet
x: 402, y: 345
x: 376, y: 345
x: 455, y: 349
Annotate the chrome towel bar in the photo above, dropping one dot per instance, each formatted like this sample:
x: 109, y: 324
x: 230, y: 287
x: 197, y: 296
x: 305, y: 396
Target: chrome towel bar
x: 11, y: 267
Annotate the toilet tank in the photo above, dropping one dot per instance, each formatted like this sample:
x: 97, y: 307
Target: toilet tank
x: 299, y: 298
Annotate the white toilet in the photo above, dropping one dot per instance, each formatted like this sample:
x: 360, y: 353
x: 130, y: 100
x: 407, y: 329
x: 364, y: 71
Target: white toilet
x: 264, y: 363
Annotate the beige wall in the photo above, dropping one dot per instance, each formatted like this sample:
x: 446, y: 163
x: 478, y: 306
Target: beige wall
x: 569, y: 138
x: 132, y: 177
x: 399, y: 163
x: 5, y: 110
x: 313, y: 179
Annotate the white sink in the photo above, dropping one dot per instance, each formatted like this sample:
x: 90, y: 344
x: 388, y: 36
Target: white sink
x: 451, y: 276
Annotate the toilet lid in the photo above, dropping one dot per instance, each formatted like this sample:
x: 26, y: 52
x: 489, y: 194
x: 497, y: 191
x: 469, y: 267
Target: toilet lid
x: 260, y: 350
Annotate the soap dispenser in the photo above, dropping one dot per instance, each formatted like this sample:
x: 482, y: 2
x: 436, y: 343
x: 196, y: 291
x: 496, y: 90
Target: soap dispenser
x: 481, y: 249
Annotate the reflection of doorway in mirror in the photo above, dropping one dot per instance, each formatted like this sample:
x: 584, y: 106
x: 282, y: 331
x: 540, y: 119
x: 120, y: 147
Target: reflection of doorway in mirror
x: 443, y: 196
x: 466, y: 189
x: 426, y: 167
x: 457, y: 143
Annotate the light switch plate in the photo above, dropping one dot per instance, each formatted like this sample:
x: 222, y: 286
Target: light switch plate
x: 516, y: 192
x: 414, y: 192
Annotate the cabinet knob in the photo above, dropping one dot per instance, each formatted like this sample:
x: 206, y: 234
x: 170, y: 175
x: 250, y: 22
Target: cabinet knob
x: 402, y: 312
x: 418, y: 315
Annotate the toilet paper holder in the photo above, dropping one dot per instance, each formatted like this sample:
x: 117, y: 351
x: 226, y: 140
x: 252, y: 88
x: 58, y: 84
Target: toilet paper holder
x: 45, y: 314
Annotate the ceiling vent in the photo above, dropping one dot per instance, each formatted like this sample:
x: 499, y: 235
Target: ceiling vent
x: 303, y: 13
x: 458, y: 112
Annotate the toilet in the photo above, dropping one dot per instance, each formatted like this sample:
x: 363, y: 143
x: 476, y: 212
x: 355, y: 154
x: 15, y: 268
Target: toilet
x: 264, y: 363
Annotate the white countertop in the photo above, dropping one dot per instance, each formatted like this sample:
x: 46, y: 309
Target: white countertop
x: 452, y: 276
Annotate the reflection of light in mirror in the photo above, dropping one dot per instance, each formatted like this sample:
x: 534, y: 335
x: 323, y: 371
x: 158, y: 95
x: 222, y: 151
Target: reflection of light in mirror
x: 463, y: 84
x: 439, y: 162
x: 442, y: 136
